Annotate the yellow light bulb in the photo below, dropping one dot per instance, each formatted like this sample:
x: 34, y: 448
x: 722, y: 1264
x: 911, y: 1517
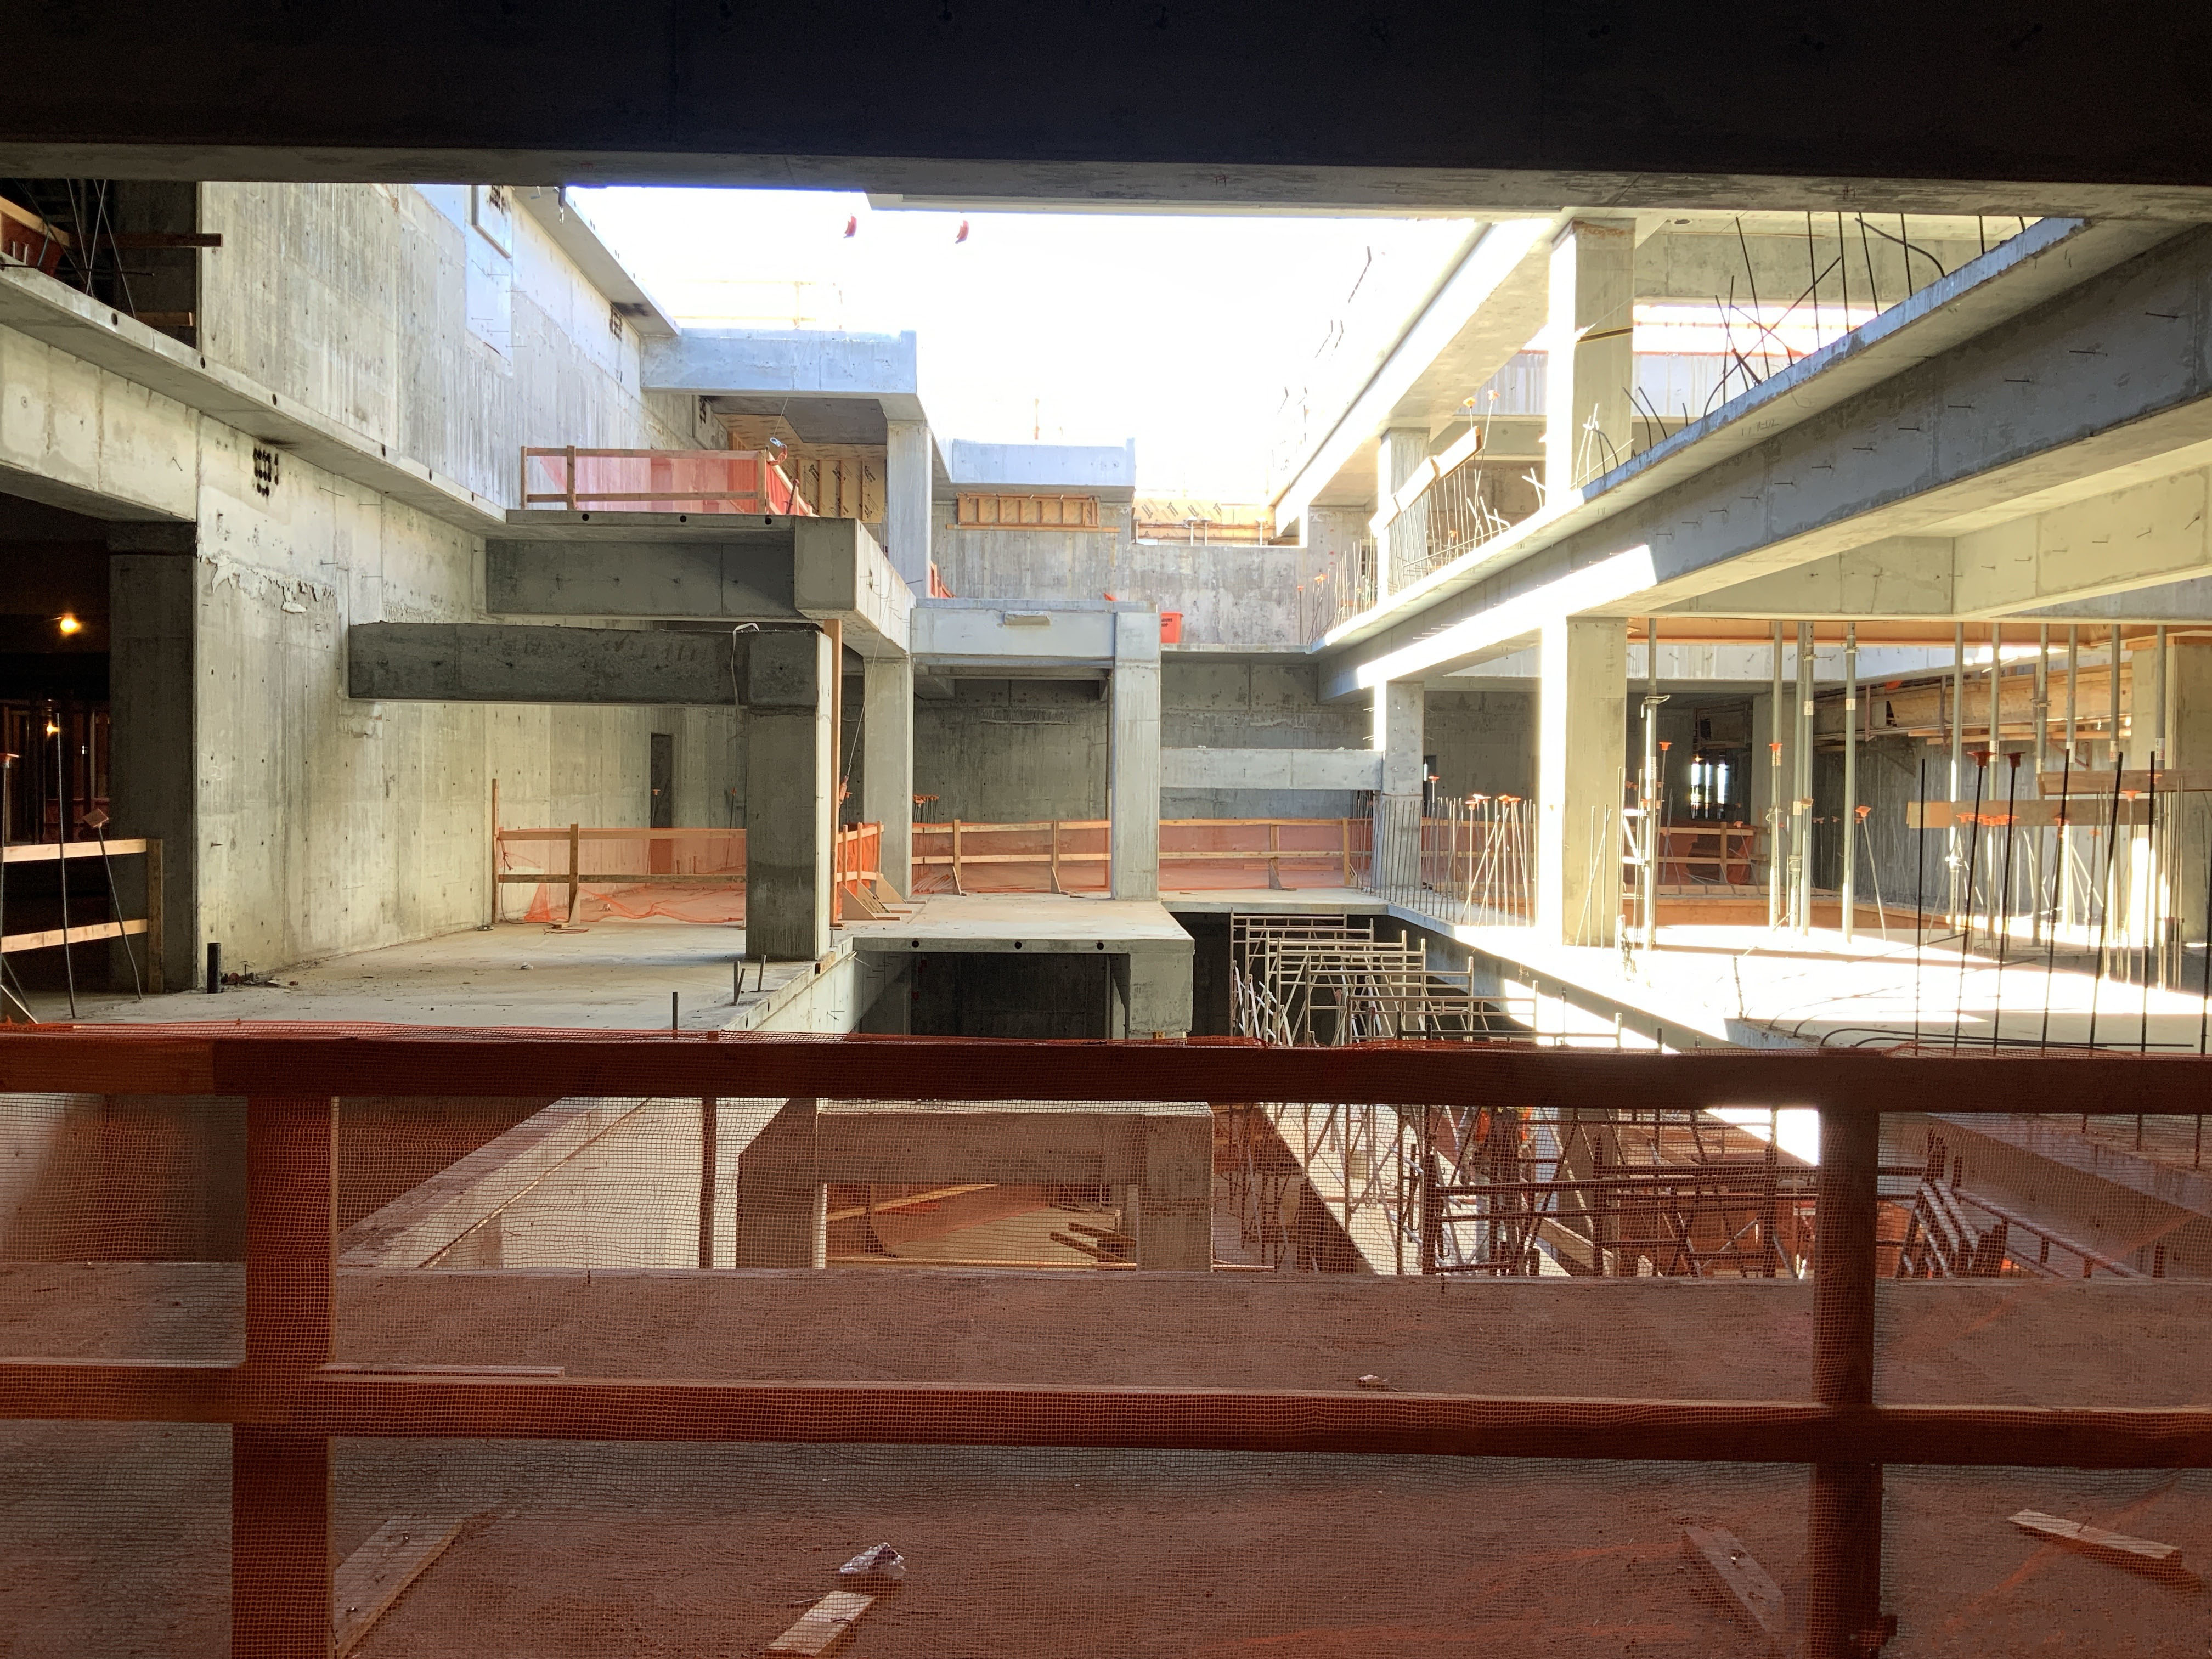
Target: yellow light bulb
x: 68, y: 623
x: 53, y: 730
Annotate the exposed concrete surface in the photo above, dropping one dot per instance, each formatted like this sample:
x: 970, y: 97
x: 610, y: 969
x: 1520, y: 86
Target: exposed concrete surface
x: 489, y: 662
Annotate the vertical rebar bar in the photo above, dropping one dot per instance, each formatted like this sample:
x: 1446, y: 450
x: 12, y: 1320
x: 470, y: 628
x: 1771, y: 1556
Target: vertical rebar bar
x: 1850, y: 774
x: 1776, y: 835
x: 1956, y: 722
x: 1801, y: 806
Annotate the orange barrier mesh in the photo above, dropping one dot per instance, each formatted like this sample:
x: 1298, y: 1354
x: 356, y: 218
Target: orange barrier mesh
x: 584, y: 875
x: 1071, y: 855
x: 399, y: 1340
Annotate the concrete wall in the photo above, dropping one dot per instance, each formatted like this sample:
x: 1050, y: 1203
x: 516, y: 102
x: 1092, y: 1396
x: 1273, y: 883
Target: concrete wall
x: 1483, y: 739
x: 1248, y: 705
x: 328, y: 824
x: 318, y: 825
x: 383, y: 307
x: 1231, y: 597
x: 1010, y: 751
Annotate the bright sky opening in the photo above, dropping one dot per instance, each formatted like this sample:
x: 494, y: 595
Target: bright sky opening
x: 1189, y: 334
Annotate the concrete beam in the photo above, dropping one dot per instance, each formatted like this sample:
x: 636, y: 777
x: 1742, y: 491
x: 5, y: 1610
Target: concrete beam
x: 1929, y: 413
x: 1948, y: 110
x: 43, y: 310
x: 490, y: 662
x: 1001, y: 633
x: 1271, y: 769
x: 1484, y: 310
x: 880, y: 368
x: 840, y: 574
x: 740, y: 576
x: 821, y: 569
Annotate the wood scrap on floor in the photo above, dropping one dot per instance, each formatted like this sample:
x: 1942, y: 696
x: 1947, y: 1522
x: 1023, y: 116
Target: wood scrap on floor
x: 1744, y: 1585
x: 825, y: 1625
x: 2136, y: 1554
x: 374, y: 1577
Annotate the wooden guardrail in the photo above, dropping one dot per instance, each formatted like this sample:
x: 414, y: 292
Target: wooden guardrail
x: 60, y: 853
x: 856, y: 860
x: 969, y: 850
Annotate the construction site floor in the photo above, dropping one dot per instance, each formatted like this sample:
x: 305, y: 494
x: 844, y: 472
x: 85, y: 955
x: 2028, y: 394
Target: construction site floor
x: 608, y: 975
x: 1748, y: 987
x: 672, y: 1550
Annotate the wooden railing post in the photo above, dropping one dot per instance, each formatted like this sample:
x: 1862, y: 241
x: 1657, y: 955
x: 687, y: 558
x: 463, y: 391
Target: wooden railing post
x: 956, y: 886
x: 575, y: 869
x: 1843, y: 1603
x: 280, y: 1478
x: 571, y: 461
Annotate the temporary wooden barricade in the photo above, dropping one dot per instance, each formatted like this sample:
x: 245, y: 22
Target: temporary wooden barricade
x: 676, y: 480
x: 91, y: 933
x: 856, y: 860
x: 1072, y: 852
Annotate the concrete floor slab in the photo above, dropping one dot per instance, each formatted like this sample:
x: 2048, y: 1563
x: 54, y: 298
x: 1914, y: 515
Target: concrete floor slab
x: 610, y: 975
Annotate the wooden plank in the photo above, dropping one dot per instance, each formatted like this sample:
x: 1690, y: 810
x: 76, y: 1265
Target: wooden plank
x: 370, y: 1581
x: 2136, y: 1554
x: 84, y: 934
x: 825, y: 1625
x: 1730, y: 1569
x: 2084, y: 781
x: 47, y: 852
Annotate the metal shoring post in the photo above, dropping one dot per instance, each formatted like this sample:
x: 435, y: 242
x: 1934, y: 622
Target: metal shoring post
x: 1801, y: 806
x: 2001, y: 902
x: 1850, y: 774
x: 2064, y: 885
x: 2041, y: 842
x: 1951, y: 860
x: 2159, y: 886
x: 1649, y: 802
x: 1775, y: 863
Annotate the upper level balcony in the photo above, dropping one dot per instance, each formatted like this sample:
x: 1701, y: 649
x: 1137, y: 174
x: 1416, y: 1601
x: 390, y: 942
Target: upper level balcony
x: 660, y: 481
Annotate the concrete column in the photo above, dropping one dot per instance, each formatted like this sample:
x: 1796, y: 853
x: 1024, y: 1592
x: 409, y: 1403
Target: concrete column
x: 887, y: 762
x: 2189, y: 727
x: 1590, y: 343
x: 1397, y: 735
x: 790, y: 771
x: 153, y: 601
x: 1582, y: 718
x: 781, y: 1218
x: 1397, y: 453
x: 1133, y: 758
x: 909, y: 479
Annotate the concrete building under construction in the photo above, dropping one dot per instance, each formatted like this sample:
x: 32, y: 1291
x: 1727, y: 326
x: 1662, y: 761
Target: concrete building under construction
x: 652, y: 1006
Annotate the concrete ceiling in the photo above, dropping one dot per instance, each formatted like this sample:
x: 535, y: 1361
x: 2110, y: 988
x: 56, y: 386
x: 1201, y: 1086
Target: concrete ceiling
x: 2084, y: 110
x: 816, y: 420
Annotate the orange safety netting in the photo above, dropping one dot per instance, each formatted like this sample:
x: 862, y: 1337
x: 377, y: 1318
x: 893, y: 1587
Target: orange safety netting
x: 580, y: 874
x: 1197, y: 854
x: 659, y: 481
x: 304, y: 1358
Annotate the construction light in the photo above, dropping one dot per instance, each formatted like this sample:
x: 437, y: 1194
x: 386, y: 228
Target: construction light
x: 68, y: 623
x: 53, y: 730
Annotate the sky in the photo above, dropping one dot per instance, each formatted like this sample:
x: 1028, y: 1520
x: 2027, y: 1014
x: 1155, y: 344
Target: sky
x: 1189, y: 334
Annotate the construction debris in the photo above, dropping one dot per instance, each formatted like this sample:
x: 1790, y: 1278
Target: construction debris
x: 878, y: 1562
x: 1743, y: 1583
x: 2136, y: 1554
x: 825, y: 1625
x: 374, y: 1577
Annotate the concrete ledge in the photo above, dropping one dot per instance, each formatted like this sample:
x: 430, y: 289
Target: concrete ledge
x: 1271, y: 769
x: 60, y: 316
x: 488, y: 662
